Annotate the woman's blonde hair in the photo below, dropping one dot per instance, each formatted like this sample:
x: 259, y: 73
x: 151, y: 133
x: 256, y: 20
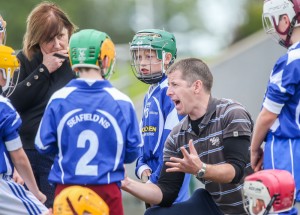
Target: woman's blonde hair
x: 44, y: 22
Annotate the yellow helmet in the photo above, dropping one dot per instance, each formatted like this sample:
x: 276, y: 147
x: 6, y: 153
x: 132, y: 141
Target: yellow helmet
x: 8, y: 65
x: 77, y: 200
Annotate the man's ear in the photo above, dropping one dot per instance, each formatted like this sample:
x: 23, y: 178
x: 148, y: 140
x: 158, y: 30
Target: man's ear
x: 198, y: 85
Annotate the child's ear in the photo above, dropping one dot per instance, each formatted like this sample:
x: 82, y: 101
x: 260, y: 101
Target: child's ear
x: 168, y: 57
x: 105, y: 62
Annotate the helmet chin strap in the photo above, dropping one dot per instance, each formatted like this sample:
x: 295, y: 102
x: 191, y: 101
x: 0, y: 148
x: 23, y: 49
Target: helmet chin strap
x: 269, y: 206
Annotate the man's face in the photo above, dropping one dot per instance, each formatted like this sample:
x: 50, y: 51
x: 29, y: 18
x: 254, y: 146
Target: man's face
x: 180, y: 92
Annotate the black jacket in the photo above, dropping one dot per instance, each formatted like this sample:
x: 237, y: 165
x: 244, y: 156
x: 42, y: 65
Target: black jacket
x: 33, y: 91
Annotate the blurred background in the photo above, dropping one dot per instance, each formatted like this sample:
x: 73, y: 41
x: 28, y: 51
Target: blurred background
x: 227, y: 34
x: 203, y: 28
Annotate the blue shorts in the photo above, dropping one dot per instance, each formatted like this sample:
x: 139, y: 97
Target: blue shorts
x: 200, y: 203
x: 283, y: 153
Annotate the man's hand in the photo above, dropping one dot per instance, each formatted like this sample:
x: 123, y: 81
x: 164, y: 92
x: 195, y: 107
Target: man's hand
x: 190, y: 163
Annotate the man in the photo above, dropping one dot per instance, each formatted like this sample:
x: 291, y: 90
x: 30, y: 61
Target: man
x: 212, y: 143
x: 278, y: 123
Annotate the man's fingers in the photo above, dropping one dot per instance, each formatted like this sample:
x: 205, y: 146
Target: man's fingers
x: 173, y: 169
x: 192, y: 147
x: 172, y: 164
x: 184, y: 152
x: 175, y: 160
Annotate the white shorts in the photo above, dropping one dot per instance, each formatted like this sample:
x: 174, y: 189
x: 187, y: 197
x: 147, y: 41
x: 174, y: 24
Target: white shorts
x: 16, y: 200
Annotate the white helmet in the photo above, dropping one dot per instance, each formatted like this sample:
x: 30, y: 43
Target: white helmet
x: 269, y: 191
x: 272, y: 12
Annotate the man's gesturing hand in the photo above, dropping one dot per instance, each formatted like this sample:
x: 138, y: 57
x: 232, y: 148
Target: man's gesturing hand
x: 190, y: 163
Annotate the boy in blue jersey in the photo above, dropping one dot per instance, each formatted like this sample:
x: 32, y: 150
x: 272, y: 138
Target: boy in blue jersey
x: 153, y: 51
x: 90, y: 125
x: 278, y: 123
x: 14, y: 198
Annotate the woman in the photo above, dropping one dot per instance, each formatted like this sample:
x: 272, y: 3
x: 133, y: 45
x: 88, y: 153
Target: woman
x: 44, y: 69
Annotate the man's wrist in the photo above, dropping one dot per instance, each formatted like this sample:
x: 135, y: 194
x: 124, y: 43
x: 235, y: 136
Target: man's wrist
x: 202, y: 171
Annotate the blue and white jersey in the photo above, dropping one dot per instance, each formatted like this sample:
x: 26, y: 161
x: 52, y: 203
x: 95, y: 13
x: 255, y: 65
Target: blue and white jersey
x: 10, y: 122
x: 283, y: 94
x: 282, y: 97
x: 93, y: 130
x: 158, y: 119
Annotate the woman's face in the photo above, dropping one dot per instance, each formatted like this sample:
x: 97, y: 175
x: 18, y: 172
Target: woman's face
x: 59, y: 42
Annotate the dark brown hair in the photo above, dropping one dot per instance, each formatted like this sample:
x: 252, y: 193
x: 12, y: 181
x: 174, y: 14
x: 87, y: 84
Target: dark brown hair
x: 193, y: 69
x: 44, y: 22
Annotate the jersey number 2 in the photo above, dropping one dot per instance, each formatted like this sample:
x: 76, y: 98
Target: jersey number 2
x: 83, y: 167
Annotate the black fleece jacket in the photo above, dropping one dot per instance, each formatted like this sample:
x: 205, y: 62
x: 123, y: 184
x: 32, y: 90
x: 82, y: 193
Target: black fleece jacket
x: 35, y: 86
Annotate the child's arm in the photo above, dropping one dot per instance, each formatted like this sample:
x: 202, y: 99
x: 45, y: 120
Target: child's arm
x: 21, y: 163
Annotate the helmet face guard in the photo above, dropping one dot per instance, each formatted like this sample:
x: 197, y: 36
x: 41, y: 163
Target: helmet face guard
x: 88, y: 48
x: 148, y: 50
x: 79, y: 200
x: 143, y: 65
x: 9, y: 67
x: 268, y: 191
x: 273, y: 10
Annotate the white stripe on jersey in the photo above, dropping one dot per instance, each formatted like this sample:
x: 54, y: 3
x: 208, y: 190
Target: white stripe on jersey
x: 117, y: 95
x: 118, y: 134
x: 59, y: 135
x: 160, y: 125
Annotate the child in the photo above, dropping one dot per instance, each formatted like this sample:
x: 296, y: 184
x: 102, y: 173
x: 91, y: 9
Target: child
x: 153, y: 51
x: 14, y: 198
x: 90, y: 125
x: 278, y: 122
